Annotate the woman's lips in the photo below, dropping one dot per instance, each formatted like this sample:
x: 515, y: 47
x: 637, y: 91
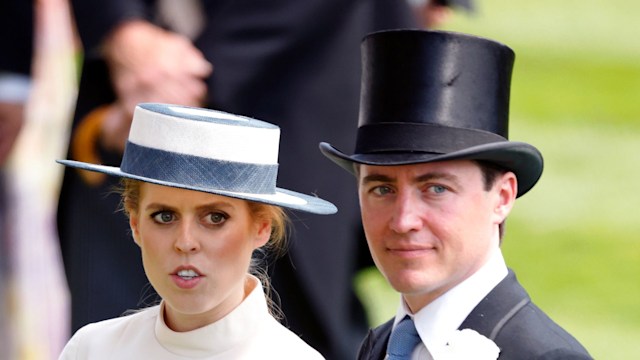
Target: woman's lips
x: 186, y: 277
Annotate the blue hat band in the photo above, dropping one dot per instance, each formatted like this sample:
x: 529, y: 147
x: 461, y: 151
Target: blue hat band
x: 194, y: 171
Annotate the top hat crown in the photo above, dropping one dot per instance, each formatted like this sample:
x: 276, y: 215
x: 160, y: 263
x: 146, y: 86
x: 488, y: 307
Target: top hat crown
x: 432, y: 96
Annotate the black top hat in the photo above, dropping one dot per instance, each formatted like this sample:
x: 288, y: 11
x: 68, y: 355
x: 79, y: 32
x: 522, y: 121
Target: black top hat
x: 432, y: 96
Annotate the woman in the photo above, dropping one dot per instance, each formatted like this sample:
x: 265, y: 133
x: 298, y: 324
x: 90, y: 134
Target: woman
x: 200, y: 191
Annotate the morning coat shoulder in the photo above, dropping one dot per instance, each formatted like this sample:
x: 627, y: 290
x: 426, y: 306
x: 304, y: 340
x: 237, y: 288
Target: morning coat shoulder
x: 519, y: 327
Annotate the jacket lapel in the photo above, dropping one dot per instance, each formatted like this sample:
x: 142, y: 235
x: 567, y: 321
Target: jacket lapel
x: 500, y: 305
x: 487, y: 318
x: 374, y: 346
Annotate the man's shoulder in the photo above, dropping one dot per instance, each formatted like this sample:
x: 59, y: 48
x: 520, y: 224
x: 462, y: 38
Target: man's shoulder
x: 532, y: 331
x: 518, y: 326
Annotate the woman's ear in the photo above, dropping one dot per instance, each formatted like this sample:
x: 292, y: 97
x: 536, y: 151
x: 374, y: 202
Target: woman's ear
x: 264, y: 232
x: 134, y: 222
x: 506, y: 188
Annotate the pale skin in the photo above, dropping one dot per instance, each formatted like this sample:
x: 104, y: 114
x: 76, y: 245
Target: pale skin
x: 430, y: 226
x: 213, y: 236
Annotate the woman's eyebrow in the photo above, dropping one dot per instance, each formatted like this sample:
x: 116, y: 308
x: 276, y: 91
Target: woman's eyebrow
x: 216, y: 205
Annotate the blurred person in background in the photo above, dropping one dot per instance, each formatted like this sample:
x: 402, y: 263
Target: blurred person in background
x: 16, y: 39
x: 293, y: 63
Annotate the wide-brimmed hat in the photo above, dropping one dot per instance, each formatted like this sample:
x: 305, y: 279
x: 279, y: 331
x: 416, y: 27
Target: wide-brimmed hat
x: 431, y: 96
x: 209, y: 151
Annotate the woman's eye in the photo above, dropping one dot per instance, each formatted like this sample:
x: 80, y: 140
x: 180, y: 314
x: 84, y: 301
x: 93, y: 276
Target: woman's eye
x: 163, y: 217
x: 217, y: 218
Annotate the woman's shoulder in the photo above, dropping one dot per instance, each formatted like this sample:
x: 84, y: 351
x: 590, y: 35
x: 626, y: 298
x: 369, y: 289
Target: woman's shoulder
x: 103, y: 335
x: 120, y: 324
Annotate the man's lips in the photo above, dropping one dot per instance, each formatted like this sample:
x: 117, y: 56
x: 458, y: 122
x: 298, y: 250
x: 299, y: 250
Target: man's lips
x: 411, y: 250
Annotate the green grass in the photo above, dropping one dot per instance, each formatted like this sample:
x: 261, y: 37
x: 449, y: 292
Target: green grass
x: 574, y: 240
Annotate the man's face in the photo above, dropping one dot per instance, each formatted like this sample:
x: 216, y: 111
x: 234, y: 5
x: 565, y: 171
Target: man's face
x: 430, y: 226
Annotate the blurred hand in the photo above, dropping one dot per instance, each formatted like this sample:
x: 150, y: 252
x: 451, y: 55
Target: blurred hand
x: 433, y: 15
x: 115, y: 127
x: 150, y: 64
x: 11, y: 120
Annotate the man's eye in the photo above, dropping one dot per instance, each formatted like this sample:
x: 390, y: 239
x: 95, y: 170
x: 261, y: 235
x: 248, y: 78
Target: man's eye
x: 381, y: 190
x: 217, y: 218
x: 438, y: 189
x: 163, y: 217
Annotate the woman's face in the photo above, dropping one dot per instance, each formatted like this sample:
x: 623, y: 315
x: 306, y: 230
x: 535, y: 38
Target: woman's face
x: 196, y: 250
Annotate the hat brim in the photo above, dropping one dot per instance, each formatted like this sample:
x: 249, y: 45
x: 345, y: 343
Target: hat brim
x: 282, y: 197
x: 523, y: 159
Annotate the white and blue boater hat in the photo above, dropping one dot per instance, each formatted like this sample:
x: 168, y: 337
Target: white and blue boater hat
x: 209, y: 151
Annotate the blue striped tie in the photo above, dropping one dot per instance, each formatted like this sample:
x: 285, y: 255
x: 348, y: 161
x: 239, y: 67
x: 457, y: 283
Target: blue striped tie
x: 403, y: 340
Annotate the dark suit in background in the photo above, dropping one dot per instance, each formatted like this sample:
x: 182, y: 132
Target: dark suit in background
x: 16, y: 53
x: 16, y: 36
x: 294, y: 63
x: 509, y: 318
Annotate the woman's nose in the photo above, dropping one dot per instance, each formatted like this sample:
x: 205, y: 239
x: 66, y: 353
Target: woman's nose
x: 186, y: 241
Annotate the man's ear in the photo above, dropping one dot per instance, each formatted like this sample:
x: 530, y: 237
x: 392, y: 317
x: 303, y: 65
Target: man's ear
x: 134, y: 221
x: 506, y: 187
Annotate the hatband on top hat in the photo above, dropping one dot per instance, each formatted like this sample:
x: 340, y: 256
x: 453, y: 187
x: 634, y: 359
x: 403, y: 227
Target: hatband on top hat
x: 431, y: 96
x: 209, y: 151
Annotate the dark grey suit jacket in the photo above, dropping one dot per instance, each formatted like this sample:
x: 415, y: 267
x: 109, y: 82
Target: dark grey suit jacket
x: 509, y: 318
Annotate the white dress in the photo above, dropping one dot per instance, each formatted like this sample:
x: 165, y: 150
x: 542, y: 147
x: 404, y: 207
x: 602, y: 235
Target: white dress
x: 248, y: 332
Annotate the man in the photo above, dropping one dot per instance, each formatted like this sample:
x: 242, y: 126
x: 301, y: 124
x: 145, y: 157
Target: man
x: 437, y: 177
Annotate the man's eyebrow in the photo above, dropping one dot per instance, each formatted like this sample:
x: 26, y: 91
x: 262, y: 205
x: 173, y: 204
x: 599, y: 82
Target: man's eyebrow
x: 377, y: 178
x: 436, y: 176
x: 418, y: 179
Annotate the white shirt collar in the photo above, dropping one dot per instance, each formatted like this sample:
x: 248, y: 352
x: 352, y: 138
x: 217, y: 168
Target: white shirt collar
x: 439, y: 319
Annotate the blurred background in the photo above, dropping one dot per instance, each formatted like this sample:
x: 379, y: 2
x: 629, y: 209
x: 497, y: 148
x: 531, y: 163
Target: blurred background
x: 573, y: 241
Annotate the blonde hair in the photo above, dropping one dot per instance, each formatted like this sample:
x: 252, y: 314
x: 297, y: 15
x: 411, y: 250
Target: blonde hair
x: 276, y: 246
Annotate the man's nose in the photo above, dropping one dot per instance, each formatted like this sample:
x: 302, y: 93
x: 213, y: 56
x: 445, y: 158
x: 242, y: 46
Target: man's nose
x: 407, y: 214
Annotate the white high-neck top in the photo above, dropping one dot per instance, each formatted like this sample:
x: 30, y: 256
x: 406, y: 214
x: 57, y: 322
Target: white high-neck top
x: 248, y: 332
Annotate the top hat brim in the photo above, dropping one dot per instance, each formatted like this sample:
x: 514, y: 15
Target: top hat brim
x: 281, y: 197
x: 523, y: 159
